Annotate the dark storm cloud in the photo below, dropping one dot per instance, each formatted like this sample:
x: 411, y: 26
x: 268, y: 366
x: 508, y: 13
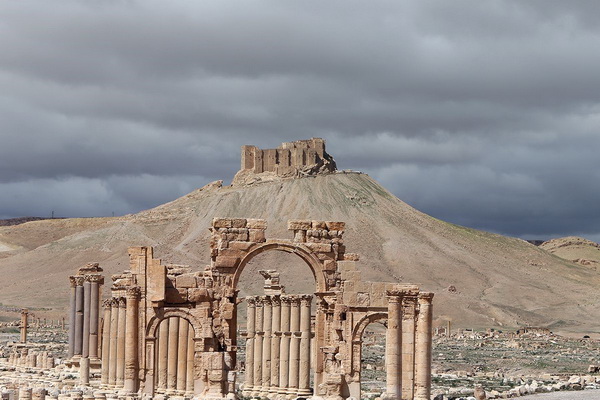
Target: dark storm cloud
x: 482, y: 113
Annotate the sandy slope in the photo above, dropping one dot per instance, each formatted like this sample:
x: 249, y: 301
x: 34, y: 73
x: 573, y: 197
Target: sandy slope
x: 575, y: 249
x: 498, y: 280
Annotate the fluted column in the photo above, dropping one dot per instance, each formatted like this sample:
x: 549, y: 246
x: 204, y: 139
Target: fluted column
x: 173, y: 347
x: 163, y: 353
x: 250, y: 333
x: 409, y: 308
x: 72, y: 306
x: 423, y: 348
x: 105, y: 343
x: 85, y: 342
x: 258, y: 346
x: 131, y: 340
x: 275, y: 342
x: 121, y: 342
x: 189, y: 383
x: 78, y: 316
x: 182, y: 354
x: 305, y: 337
x: 294, y: 345
x: 393, y: 341
x: 114, y: 331
x: 96, y: 281
x: 266, y: 350
x: 284, y: 348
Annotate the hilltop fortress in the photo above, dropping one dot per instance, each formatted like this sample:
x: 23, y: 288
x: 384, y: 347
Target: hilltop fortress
x: 291, y: 159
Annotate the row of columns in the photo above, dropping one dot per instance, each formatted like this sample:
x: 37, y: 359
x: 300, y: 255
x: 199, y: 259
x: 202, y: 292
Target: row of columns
x: 278, y: 346
x: 120, y: 342
x: 31, y: 359
x: 84, y: 315
x: 408, y: 345
x: 175, y: 357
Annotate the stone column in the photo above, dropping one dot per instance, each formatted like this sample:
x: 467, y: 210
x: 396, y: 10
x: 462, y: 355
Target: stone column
x: 173, y: 347
x: 305, y: 337
x: 189, y: 383
x: 266, y: 349
x: 78, y: 316
x: 250, y: 333
x: 105, y: 343
x: 131, y: 341
x: 284, y: 348
x: 258, y: 341
x: 85, y: 342
x: 24, y: 393
x: 163, y: 353
x: 121, y: 342
x: 84, y: 370
x: 182, y: 354
x: 275, y: 343
x: 114, y: 331
x: 393, y: 341
x: 409, y: 309
x: 73, y: 282
x: 423, y: 348
x: 24, y: 314
x: 96, y: 281
x: 294, y: 346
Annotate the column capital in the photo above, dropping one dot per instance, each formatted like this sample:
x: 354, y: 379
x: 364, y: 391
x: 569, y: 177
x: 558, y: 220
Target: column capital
x: 306, y: 299
x: 425, y: 297
x: 95, y: 278
x: 121, y: 302
x: 276, y: 301
x: 76, y: 280
x: 286, y: 300
x: 251, y: 300
x: 107, y: 303
x: 133, y: 292
x: 295, y: 300
x: 394, y: 296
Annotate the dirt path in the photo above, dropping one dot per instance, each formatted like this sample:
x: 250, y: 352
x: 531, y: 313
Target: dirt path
x: 579, y: 395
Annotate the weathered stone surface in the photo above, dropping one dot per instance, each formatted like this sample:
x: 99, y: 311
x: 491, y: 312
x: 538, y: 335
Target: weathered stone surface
x: 176, y: 296
x: 254, y: 223
x: 298, y: 224
x: 186, y: 281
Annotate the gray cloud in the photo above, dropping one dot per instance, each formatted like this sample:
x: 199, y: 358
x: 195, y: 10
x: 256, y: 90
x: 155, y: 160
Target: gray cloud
x: 481, y: 113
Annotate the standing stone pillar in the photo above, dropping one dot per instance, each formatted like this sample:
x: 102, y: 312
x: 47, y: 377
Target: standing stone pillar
x: 250, y: 333
x: 284, y: 349
x: 24, y: 393
x: 85, y: 342
x: 78, y: 316
x: 393, y: 341
x: 275, y: 343
x: 105, y: 343
x: 409, y: 309
x: 131, y: 341
x: 84, y: 370
x: 114, y: 331
x: 182, y: 354
x: 96, y: 281
x: 258, y: 346
x: 305, y: 337
x: 189, y: 383
x: 423, y: 348
x: 163, y: 354
x: 121, y: 342
x: 173, y: 347
x: 294, y: 346
x: 73, y: 283
x: 266, y: 351
x: 24, y: 315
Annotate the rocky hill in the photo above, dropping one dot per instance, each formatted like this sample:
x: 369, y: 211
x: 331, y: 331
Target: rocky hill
x: 480, y: 279
x: 575, y: 249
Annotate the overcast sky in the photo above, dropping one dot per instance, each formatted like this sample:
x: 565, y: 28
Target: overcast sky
x: 482, y: 113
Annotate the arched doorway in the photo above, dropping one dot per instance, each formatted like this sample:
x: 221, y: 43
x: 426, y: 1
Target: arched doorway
x: 275, y: 324
x: 368, y: 359
x: 174, y: 357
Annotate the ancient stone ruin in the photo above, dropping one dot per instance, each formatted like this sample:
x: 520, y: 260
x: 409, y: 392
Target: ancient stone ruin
x: 169, y: 331
x: 292, y: 159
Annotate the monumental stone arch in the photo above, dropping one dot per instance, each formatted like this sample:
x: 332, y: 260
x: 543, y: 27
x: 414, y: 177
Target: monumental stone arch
x: 169, y: 330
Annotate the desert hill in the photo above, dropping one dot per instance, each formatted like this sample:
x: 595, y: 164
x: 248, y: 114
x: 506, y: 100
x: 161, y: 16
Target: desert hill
x: 575, y: 249
x: 480, y: 279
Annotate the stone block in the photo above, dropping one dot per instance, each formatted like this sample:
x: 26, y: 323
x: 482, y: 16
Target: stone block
x: 299, y: 224
x: 238, y: 222
x: 240, y: 245
x: 227, y: 310
x: 231, y: 252
x: 351, y: 256
x: 362, y: 299
x: 226, y: 261
x: 346, y: 266
x: 198, y: 295
x: 256, y: 235
x: 319, y: 247
x: 186, y: 281
x: 175, y: 296
x: 255, y: 223
x: 221, y: 222
x: 335, y: 226
x: 329, y: 265
x: 318, y: 225
x: 156, y: 279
